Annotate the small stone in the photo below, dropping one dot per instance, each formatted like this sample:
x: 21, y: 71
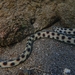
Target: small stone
x: 66, y: 71
x: 21, y: 73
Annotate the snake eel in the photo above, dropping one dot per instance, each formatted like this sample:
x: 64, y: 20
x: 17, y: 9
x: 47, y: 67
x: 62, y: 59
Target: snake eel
x: 57, y: 34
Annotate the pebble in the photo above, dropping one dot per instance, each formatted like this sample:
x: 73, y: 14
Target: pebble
x: 67, y: 71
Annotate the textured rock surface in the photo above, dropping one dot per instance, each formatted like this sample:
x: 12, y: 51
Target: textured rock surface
x: 66, y: 13
x: 19, y: 18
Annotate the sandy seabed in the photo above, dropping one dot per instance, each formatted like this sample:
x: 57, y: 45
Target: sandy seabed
x: 48, y: 54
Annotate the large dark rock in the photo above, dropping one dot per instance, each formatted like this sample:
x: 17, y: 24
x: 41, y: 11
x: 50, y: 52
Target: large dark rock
x: 19, y: 18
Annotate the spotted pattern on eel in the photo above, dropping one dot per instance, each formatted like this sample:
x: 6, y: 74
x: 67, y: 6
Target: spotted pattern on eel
x: 31, y: 39
x: 69, y: 31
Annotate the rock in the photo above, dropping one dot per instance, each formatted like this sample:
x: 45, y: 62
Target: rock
x: 66, y: 71
x: 20, y: 72
x: 24, y: 17
x: 19, y: 18
x: 66, y: 13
